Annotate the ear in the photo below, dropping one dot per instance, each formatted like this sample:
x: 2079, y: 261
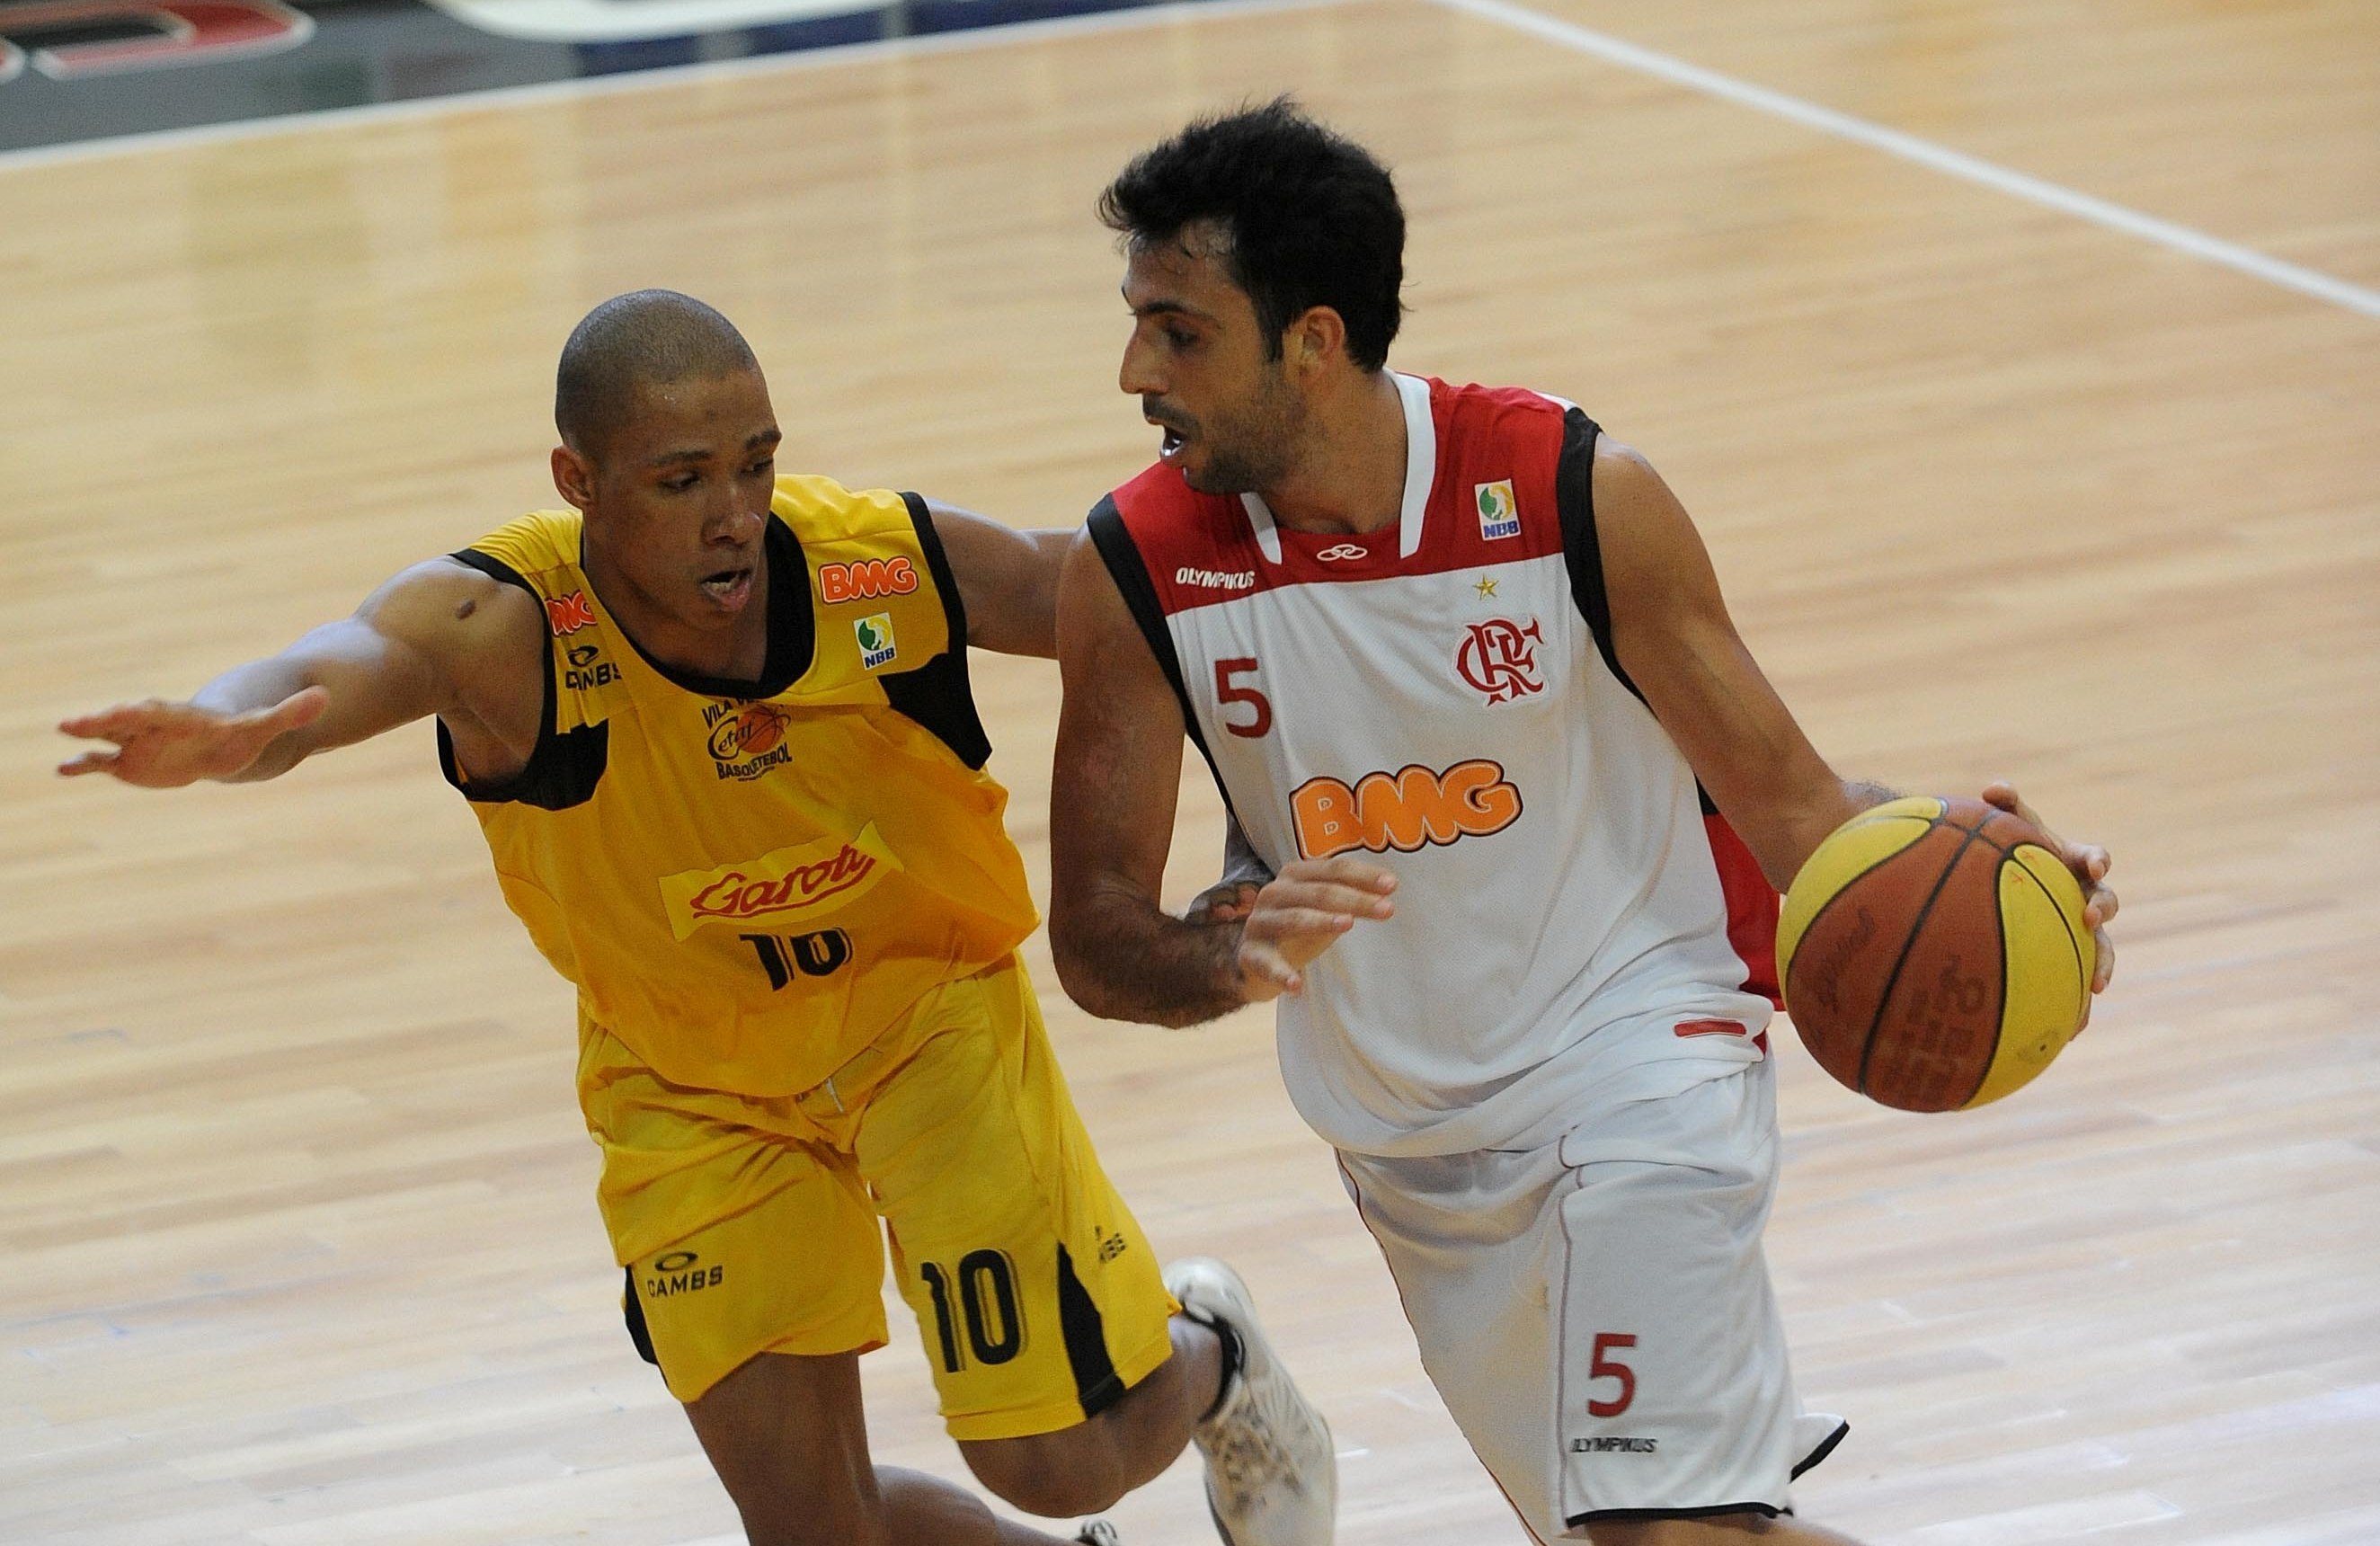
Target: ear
x: 1315, y: 338
x: 573, y: 478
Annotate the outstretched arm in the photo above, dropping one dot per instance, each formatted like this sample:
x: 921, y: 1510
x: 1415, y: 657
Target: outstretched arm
x: 1008, y: 579
x: 440, y: 638
x: 1672, y: 634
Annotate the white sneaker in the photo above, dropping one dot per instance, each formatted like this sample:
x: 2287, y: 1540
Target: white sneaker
x: 1273, y: 1476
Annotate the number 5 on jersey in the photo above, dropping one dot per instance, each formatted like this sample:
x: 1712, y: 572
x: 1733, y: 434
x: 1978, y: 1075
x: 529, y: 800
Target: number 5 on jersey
x: 1230, y: 693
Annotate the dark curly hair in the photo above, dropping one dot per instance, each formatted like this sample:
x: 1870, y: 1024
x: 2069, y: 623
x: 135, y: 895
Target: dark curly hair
x: 1310, y: 216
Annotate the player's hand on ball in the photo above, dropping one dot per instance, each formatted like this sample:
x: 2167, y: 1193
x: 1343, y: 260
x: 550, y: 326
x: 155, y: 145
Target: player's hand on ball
x: 1300, y: 913
x: 164, y: 745
x: 2090, y: 863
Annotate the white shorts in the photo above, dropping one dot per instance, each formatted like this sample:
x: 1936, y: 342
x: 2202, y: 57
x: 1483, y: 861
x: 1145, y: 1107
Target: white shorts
x: 1598, y: 1313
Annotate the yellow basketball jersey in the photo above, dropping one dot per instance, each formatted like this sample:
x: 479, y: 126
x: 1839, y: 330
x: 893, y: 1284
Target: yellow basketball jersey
x: 748, y: 882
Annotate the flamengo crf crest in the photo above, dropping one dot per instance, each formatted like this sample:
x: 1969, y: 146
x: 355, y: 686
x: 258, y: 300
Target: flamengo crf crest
x: 1500, y: 658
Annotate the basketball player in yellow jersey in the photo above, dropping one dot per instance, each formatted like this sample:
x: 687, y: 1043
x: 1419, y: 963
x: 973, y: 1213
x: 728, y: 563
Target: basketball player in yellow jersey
x: 716, y: 726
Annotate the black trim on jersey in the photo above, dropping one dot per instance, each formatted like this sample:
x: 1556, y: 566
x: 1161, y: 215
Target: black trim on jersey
x: 1096, y: 1384
x: 563, y: 769
x: 1581, y: 552
x: 634, y: 1313
x: 1816, y: 1455
x: 1130, y: 571
x: 793, y: 630
x: 937, y: 695
x: 1579, y: 1521
x: 1842, y: 1430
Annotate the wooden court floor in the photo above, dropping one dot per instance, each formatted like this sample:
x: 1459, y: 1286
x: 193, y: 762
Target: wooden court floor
x: 295, y: 1206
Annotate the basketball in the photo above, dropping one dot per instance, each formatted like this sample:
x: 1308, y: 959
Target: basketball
x: 1934, y: 954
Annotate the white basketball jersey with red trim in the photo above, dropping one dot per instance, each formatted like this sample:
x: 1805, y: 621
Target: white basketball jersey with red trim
x: 1572, y: 927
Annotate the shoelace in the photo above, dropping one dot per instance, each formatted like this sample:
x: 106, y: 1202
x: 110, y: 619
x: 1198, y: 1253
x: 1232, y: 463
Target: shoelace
x: 1248, y: 1450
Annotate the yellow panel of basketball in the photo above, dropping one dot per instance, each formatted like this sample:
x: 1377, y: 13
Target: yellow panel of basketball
x: 2048, y: 954
x: 1851, y: 850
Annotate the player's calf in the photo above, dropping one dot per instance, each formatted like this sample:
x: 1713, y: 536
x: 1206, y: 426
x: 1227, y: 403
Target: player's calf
x: 1083, y: 1470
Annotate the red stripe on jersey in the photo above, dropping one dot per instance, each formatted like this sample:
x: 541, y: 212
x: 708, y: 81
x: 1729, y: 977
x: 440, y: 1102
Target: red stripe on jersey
x: 1493, y: 442
x: 1751, y: 908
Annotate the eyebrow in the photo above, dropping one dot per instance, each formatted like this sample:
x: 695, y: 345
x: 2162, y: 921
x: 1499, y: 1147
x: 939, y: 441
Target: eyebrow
x: 697, y: 453
x: 1164, y: 308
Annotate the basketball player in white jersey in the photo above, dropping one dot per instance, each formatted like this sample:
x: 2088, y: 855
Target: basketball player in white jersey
x: 1519, y: 803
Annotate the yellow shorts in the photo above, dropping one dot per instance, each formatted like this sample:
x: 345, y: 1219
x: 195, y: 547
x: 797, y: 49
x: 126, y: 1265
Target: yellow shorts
x: 749, y: 1225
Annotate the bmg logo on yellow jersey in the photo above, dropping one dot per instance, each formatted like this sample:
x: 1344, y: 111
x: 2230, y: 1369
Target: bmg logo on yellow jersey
x: 803, y: 880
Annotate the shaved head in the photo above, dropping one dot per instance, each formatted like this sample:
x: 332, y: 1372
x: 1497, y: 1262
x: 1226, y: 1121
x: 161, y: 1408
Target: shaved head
x: 655, y: 336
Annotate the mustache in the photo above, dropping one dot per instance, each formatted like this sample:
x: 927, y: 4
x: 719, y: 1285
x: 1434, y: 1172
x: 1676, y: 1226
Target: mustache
x: 1154, y: 411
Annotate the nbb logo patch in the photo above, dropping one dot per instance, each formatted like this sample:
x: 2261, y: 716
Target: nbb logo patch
x: 804, y: 881
x: 1500, y: 514
x: 1404, y: 811
x: 877, y: 646
x: 866, y: 580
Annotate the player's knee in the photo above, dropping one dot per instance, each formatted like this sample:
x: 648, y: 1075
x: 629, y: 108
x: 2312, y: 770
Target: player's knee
x: 1054, y: 1475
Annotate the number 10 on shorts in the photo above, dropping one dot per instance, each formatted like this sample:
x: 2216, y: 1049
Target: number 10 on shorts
x: 979, y: 1303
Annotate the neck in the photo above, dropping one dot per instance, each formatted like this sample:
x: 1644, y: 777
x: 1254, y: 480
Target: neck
x: 1349, y: 474
x: 734, y: 650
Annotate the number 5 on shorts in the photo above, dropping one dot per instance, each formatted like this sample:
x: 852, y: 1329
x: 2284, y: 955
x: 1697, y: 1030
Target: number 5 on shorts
x: 1602, y: 1368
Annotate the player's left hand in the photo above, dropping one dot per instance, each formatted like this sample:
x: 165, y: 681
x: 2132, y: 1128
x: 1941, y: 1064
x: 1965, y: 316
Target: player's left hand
x: 1300, y: 913
x: 1227, y: 901
x: 2090, y: 863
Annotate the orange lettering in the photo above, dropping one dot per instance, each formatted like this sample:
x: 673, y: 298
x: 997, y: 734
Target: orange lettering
x: 1325, y: 810
x: 1408, y: 809
x: 1488, y: 803
x: 866, y: 579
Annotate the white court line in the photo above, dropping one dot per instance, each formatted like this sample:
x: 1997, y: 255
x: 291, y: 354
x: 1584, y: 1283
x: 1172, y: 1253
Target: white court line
x: 1924, y: 153
x: 958, y: 40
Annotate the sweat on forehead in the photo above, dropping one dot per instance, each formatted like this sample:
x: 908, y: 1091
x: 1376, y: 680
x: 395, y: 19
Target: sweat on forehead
x: 644, y: 336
